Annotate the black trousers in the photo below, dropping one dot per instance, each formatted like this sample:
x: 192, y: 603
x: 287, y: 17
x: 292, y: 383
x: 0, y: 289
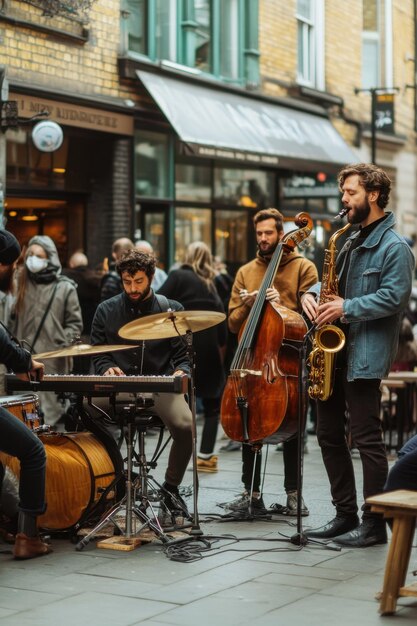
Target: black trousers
x: 249, y: 457
x: 358, y: 404
x: 211, y: 408
x: 18, y: 440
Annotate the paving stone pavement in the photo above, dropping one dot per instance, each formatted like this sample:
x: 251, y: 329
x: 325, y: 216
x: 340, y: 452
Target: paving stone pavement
x: 250, y: 574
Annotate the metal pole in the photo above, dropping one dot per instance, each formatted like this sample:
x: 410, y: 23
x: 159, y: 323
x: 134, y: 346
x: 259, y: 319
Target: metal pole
x: 373, y: 127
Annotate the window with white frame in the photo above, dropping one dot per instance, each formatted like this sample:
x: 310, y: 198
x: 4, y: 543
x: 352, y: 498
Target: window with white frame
x: 371, y: 44
x: 310, y: 43
x: 377, y: 44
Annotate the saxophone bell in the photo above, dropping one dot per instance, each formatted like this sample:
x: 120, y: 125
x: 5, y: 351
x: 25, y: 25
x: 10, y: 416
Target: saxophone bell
x: 330, y: 338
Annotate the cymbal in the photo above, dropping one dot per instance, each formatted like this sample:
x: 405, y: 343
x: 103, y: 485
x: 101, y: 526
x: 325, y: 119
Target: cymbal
x: 170, y: 324
x: 80, y: 349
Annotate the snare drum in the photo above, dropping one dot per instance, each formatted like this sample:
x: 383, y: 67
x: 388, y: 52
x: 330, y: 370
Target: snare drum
x: 25, y: 408
x: 79, y: 475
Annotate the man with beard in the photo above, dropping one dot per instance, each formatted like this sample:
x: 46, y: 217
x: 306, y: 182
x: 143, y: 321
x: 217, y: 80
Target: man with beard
x: 16, y: 439
x: 295, y: 276
x: 375, y: 268
x: 152, y: 357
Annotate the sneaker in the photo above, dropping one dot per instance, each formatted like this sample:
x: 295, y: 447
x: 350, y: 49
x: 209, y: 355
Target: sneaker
x: 231, y: 446
x: 172, y: 509
x: 207, y: 465
x: 241, y: 504
x: 291, y: 507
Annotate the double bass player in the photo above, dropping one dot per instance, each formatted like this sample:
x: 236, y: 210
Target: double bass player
x: 294, y: 277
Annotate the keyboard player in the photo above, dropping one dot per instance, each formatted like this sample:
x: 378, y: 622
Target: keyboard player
x: 151, y: 357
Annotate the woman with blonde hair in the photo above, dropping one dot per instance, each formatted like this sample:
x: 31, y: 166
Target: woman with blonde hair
x: 192, y: 284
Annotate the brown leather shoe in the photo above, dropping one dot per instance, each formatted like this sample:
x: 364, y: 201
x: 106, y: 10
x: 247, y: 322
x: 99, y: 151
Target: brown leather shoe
x: 28, y: 547
x: 7, y: 536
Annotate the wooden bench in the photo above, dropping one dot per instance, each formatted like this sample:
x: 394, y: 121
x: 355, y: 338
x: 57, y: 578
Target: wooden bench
x: 401, y: 507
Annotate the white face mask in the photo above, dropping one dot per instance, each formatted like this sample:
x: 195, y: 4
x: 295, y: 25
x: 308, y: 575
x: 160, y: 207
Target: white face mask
x: 35, y: 264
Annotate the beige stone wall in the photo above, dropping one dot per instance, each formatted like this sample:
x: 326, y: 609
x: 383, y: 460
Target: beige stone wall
x: 343, y: 57
x: 343, y: 70
x: 278, y: 45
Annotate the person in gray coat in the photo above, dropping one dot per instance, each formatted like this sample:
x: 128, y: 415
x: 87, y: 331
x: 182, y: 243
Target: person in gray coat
x: 47, y: 314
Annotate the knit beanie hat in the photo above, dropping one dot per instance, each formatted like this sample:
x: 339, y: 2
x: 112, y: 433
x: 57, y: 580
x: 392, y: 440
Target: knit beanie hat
x: 9, y: 248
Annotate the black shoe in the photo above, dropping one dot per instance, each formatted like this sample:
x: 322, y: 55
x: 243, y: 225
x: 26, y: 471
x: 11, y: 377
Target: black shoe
x: 337, y: 526
x: 371, y: 532
x: 173, y: 505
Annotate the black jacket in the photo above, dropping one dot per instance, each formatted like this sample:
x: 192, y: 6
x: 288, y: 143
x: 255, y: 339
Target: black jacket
x: 111, y: 284
x: 156, y: 356
x: 185, y: 286
x: 13, y: 356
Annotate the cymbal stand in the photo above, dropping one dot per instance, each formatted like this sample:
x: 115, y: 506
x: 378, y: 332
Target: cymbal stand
x: 195, y: 529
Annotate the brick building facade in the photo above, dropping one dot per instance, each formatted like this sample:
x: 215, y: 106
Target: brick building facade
x: 85, y: 73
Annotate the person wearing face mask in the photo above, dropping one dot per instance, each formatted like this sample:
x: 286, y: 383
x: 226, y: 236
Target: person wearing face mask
x: 47, y: 313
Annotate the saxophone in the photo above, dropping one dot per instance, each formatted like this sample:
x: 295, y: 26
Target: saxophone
x: 329, y: 339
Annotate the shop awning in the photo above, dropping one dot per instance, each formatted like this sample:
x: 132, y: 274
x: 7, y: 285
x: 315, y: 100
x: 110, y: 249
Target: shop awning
x: 219, y: 124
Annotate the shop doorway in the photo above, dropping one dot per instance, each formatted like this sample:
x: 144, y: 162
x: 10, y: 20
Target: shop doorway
x: 60, y: 219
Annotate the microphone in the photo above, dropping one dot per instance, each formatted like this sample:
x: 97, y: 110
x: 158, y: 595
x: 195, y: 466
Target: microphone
x: 344, y: 211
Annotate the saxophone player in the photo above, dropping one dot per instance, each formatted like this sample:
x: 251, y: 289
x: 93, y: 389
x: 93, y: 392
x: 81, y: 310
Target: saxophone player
x: 374, y: 270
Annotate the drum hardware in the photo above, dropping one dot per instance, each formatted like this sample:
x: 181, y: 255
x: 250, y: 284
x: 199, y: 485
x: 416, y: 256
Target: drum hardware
x: 168, y: 325
x: 135, y: 418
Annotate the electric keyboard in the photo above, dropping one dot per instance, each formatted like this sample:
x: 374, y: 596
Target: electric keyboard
x: 103, y: 385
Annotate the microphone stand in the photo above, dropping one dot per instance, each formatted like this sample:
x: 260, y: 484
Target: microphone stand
x: 300, y: 538
x: 195, y: 529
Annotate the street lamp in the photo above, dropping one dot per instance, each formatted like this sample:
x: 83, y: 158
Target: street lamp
x: 375, y: 92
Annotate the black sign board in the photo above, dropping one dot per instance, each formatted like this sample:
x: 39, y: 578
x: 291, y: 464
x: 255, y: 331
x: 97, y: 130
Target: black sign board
x: 384, y: 113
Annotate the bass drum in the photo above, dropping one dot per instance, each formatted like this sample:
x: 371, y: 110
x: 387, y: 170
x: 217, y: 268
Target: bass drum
x: 80, y: 477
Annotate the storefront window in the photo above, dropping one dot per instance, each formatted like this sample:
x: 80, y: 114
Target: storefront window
x: 193, y: 183
x: 231, y: 236
x: 152, y: 159
x: 155, y: 233
x: 26, y: 164
x: 249, y: 188
x: 191, y: 225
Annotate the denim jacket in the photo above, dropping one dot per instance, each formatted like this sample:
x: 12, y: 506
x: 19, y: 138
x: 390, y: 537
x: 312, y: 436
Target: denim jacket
x: 378, y: 288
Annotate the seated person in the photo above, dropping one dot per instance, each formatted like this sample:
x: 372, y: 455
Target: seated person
x: 150, y: 357
x: 403, y: 474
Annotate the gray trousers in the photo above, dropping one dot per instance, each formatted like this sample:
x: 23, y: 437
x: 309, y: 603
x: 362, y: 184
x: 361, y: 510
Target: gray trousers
x: 175, y: 413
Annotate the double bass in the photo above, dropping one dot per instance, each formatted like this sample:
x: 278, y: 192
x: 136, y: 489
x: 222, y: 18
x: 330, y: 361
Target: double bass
x: 261, y: 395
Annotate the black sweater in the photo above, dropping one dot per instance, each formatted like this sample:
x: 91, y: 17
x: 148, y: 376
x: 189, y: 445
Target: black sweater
x: 151, y: 357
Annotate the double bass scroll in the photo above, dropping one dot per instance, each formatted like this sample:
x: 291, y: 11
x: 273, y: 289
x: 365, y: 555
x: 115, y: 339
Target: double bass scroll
x: 261, y: 392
